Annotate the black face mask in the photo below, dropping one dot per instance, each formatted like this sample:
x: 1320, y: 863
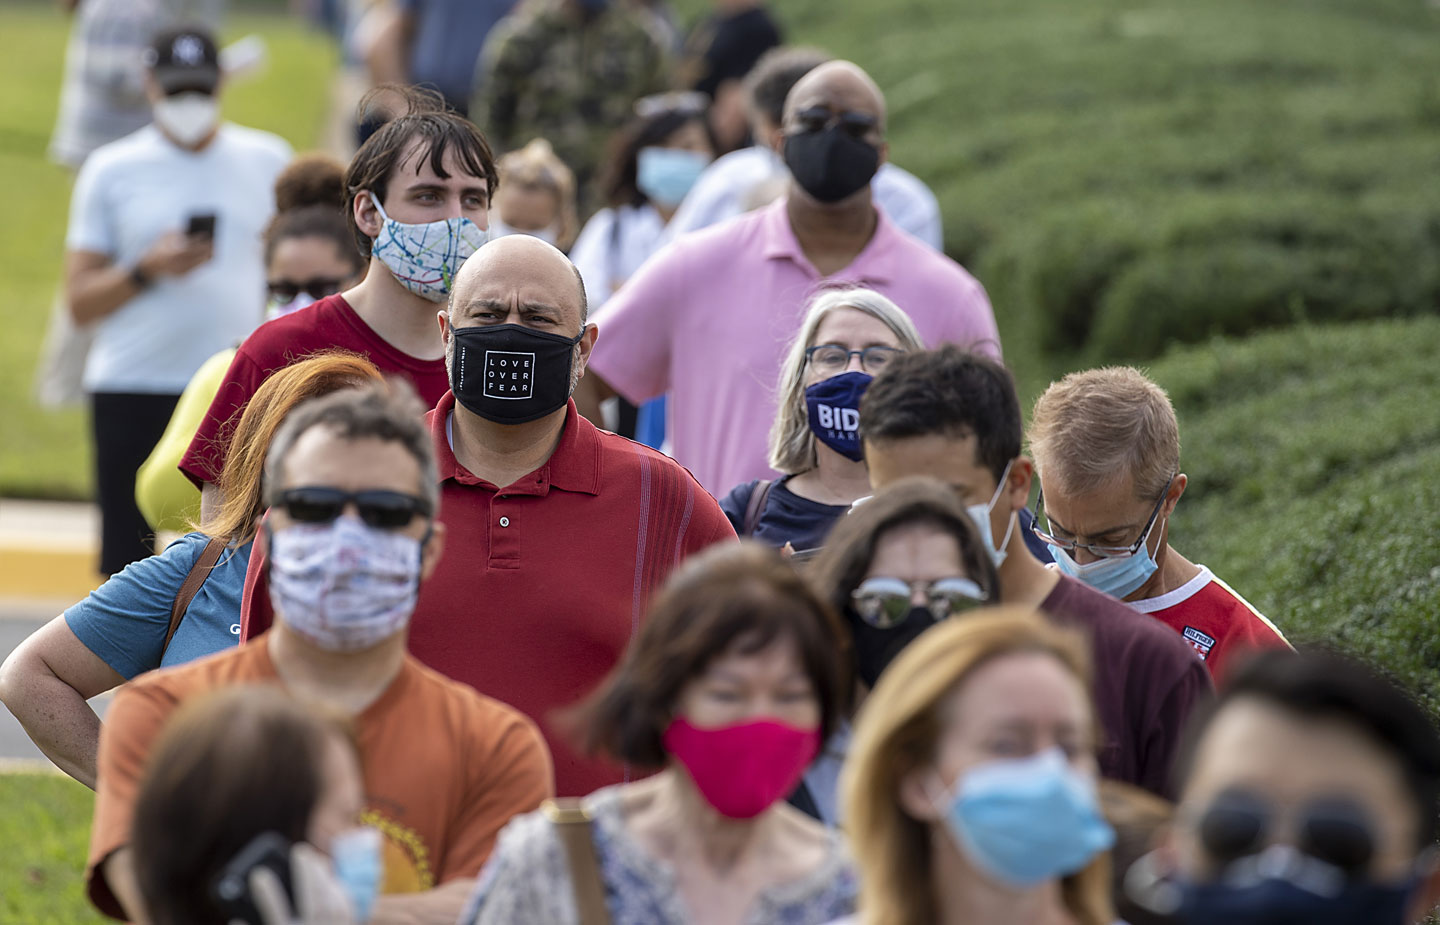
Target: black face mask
x: 511, y: 374
x: 875, y: 648
x: 831, y: 164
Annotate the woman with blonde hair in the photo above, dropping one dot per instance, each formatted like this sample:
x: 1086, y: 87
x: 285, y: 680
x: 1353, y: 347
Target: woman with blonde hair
x: 536, y: 196
x: 848, y: 336
x: 167, y: 609
x: 970, y: 790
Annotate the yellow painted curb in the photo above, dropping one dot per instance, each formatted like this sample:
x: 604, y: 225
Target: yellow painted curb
x: 48, y: 573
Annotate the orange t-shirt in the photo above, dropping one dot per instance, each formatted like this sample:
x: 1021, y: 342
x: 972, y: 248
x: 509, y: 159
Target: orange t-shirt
x: 445, y: 768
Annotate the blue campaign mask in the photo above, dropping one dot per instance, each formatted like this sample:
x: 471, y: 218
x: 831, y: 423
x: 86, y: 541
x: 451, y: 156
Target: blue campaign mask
x: 1117, y: 576
x: 834, y: 408
x: 359, y: 860
x: 1027, y: 821
x: 665, y: 175
x: 1282, y: 886
x: 425, y: 258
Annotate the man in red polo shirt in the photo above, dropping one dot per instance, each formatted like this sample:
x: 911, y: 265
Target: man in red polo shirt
x: 557, y: 533
x: 419, y: 193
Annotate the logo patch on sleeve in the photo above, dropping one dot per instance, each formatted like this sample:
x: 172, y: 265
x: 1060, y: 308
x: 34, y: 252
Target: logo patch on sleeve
x: 1199, y: 641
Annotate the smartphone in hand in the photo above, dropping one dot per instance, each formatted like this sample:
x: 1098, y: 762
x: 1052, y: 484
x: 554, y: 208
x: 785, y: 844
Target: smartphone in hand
x: 201, y: 225
x: 231, y: 889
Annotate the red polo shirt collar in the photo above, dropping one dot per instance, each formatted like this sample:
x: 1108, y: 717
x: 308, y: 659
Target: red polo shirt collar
x: 574, y: 466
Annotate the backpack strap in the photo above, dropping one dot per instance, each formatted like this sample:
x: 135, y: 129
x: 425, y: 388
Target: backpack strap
x: 572, y: 823
x: 756, y: 506
x: 191, y: 586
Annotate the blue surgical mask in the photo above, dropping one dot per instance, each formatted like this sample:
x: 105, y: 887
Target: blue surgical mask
x: 1281, y: 886
x: 665, y: 175
x: 425, y: 258
x: 1116, y: 576
x: 980, y: 514
x: 834, y: 408
x: 1027, y: 821
x: 358, y: 857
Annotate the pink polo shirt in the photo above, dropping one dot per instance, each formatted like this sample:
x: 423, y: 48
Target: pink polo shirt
x: 708, y: 320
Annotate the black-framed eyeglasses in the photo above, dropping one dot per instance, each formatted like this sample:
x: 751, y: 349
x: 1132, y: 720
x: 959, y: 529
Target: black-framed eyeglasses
x: 832, y: 358
x: 1102, y: 552
x: 853, y: 123
x: 1239, y: 824
x: 389, y: 510
x: 884, y: 602
x: 284, y: 290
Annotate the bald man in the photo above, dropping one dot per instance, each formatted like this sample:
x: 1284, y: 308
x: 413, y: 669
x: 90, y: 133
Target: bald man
x: 708, y: 319
x: 556, y: 533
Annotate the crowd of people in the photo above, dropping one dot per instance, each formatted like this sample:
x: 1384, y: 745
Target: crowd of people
x: 439, y: 641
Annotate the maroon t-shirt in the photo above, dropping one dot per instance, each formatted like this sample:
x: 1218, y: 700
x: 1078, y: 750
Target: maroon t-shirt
x: 329, y: 324
x: 1147, y: 680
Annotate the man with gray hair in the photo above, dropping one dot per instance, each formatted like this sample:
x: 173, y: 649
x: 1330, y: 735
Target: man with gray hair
x: 1106, y: 446
x: 352, y: 538
x: 558, y: 532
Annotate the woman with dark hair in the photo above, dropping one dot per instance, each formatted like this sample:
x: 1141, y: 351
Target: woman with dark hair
x: 728, y: 690
x: 309, y: 253
x: 247, y: 763
x: 655, y: 161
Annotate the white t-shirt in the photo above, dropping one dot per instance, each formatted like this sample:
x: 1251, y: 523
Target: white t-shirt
x: 132, y: 191
x: 752, y: 177
x: 612, y: 246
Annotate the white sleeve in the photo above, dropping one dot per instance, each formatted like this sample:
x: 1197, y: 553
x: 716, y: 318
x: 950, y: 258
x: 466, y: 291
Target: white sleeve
x: 593, y: 255
x: 90, y: 228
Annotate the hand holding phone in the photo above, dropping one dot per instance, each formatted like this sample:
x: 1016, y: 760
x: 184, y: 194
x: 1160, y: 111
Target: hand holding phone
x: 201, y: 225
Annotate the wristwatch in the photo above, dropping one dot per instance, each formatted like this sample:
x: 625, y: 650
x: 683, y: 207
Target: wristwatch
x: 139, y: 277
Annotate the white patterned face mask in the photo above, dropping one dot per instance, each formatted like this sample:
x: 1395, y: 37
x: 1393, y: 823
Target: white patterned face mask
x: 343, y: 585
x: 425, y: 258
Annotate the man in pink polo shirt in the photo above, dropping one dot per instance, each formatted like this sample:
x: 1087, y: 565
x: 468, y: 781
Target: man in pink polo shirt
x: 708, y: 318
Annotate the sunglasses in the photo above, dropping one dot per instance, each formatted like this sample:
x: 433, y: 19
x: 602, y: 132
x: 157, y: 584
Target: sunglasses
x: 884, y: 603
x: 818, y: 118
x: 388, y: 510
x: 1336, y: 830
x: 285, y: 291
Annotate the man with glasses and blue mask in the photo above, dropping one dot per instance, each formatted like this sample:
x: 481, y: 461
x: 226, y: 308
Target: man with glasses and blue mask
x: 954, y: 416
x: 1310, y: 793
x: 709, y: 318
x: 1106, y: 446
x: 353, y: 537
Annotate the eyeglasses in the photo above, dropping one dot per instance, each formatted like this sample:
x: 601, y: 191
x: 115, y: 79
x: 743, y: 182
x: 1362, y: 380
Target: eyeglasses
x: 1101, y: 552
x: 283, y: 290
x: 884, y: 603
x: 681, y: 102
x: 832, y: 358
x: 388, y: 510
x: 818, y: 118
x: 1335, y: 830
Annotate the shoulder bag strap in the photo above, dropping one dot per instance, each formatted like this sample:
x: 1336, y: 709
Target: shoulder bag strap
x: 572, y: 823
x: 756, y: 506
x: 191, y: 586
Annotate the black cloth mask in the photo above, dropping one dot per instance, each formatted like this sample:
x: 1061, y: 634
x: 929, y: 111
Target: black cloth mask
x: 876, y: 648
x: 831, y: 164
x: 511, y: 374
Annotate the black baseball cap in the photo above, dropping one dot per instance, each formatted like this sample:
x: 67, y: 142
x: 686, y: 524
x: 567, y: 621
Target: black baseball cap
x: 184, y: 61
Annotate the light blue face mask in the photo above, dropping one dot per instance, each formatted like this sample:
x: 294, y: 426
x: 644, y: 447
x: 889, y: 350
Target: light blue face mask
x: 1116, y: 576
x: 1028, y: 821
x: 665, y: 175
x: 359, y: 862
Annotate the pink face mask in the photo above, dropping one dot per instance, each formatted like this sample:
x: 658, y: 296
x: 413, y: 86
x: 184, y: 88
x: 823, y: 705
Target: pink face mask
x: 742, y: 770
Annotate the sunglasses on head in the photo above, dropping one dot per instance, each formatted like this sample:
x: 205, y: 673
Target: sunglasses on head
x: 1336, y: 830
x: 283, y: 290
x: 388, y: 510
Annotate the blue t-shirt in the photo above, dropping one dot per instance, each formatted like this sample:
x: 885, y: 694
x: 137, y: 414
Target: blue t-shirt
x: 124, y: 621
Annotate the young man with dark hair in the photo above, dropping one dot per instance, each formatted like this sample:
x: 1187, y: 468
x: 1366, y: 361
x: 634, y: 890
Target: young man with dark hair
x: 955, y: 416
x: 419, y: 192
x: 1310, y: 793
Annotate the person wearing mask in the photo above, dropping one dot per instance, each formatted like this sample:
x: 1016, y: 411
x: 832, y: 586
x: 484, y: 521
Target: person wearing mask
x: 128, y: 625
x: 954, y: 416
x: 537, y: 198
x: 295, y: 772
x: 562, y: 530
x: 350, y: 482
x: 708, y: 320
x: 727, y: 693
x: 719, y: 52
x: 655, y: 161
x: 568, y: 71
x: 971, y: 791
x: 417, y: 199
x: 1310, y: 793
x: 847, y: 337
x: 163, y: 254
x: 1106, y: 446
x: 308, y: 255
x: 755, y: 176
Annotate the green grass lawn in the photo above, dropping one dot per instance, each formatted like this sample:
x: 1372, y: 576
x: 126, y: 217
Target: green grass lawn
x: 43, y: 453
x: 45, y: 826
